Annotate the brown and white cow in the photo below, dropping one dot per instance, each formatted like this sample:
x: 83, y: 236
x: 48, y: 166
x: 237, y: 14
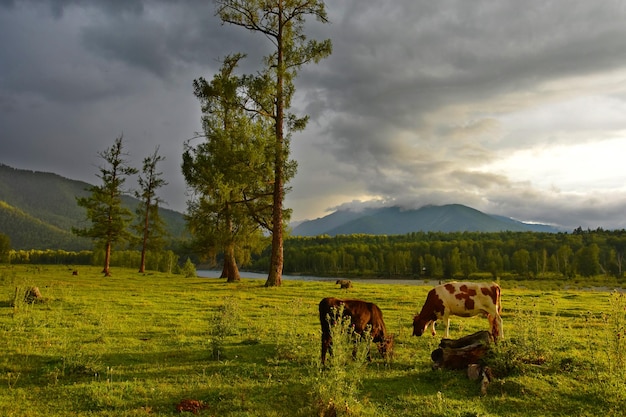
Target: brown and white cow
x: 463, y: 299
x: 362, y: 314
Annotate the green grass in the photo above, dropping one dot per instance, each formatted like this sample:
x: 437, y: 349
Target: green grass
x: 134, y: 345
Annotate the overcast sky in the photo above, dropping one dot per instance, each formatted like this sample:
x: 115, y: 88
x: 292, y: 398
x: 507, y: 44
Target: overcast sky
x: 511, y: 107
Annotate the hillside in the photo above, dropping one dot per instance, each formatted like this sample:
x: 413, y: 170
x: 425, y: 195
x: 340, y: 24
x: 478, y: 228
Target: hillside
x: 394, y: 221
x: 38, y: 210
x: 28, y: 232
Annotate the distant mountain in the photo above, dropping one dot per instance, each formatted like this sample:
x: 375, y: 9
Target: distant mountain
x: 324, y: 224
x: 394, y: 221
x: 38, y: 210
x: 534, y: 227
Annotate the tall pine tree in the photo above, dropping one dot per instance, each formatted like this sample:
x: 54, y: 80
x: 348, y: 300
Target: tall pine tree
x: 227, y: 173
x: 282, y: 22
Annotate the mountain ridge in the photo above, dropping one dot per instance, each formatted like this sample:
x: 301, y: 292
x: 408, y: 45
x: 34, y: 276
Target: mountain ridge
x: 429, y: 218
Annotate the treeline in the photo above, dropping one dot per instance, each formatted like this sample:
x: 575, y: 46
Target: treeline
x: 525, y: 255
x: 164, y: 261
x: 432, y: 255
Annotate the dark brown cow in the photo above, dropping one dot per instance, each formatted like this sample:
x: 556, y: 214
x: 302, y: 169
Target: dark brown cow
x: 362, y: 314
x: 344, y: 283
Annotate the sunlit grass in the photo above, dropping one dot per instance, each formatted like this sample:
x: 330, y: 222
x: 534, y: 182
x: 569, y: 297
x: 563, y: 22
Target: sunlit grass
x: 137, y: 344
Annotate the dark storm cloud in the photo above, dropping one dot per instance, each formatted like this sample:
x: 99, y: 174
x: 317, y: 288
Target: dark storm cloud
x: 167, y: 39
x: 109, y: 39
x: 45, y: 61
x: 57, y: 7
x: 77, y: 74
x: 463, y: 51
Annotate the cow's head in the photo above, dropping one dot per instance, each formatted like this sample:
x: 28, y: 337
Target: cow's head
x: 386, y: 347
x: 420, y: 325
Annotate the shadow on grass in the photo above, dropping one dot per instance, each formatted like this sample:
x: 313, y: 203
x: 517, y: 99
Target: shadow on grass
x: 238, y: 383
x: 230, y: 395
x: 430, y: 383
x: 37, y: 370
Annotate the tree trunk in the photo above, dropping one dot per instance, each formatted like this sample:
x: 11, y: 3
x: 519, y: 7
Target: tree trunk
x: 144, y: 243
x: 274, y: 279
x: 107, y: 260
x: 230, y: 264
x: 142, y: 263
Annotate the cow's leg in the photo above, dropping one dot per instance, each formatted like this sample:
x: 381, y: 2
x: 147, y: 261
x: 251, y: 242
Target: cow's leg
x: 326, y: 347
x: 433, y: 331
x: 446, y: 319
x: 495, y: 321
x: 500, y: 330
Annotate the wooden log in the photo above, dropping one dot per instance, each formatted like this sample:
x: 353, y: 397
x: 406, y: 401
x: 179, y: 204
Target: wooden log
x: 466, y: 353
x: 459, y: 353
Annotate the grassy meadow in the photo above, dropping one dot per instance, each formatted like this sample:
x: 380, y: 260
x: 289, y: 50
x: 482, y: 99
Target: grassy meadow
x: 139, y: 344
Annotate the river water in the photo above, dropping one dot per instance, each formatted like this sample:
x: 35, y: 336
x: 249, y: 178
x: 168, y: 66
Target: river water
x: 211, y: 273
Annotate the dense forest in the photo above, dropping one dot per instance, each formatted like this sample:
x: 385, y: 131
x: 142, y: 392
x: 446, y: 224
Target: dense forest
x: 525, y: 255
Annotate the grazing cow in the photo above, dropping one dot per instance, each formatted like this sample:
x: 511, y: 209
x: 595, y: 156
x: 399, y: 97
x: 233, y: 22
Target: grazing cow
x: 344, y: 283
x: 464, y: 299
x: 362, y: 314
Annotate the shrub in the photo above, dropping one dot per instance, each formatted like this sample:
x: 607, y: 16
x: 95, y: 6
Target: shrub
x: 189, y: 269
x: 616, y: 334
x: 335, y: 390
x: 223, y: 324
x: 531, y: 344
x: 288, y: 340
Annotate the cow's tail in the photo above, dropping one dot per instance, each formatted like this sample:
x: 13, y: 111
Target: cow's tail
x: 497, y: 329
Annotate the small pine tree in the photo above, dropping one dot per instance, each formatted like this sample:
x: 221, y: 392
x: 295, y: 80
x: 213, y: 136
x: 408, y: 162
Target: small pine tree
x: 150, y: 226
x: 189, y: 269
x: 109, y: 220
